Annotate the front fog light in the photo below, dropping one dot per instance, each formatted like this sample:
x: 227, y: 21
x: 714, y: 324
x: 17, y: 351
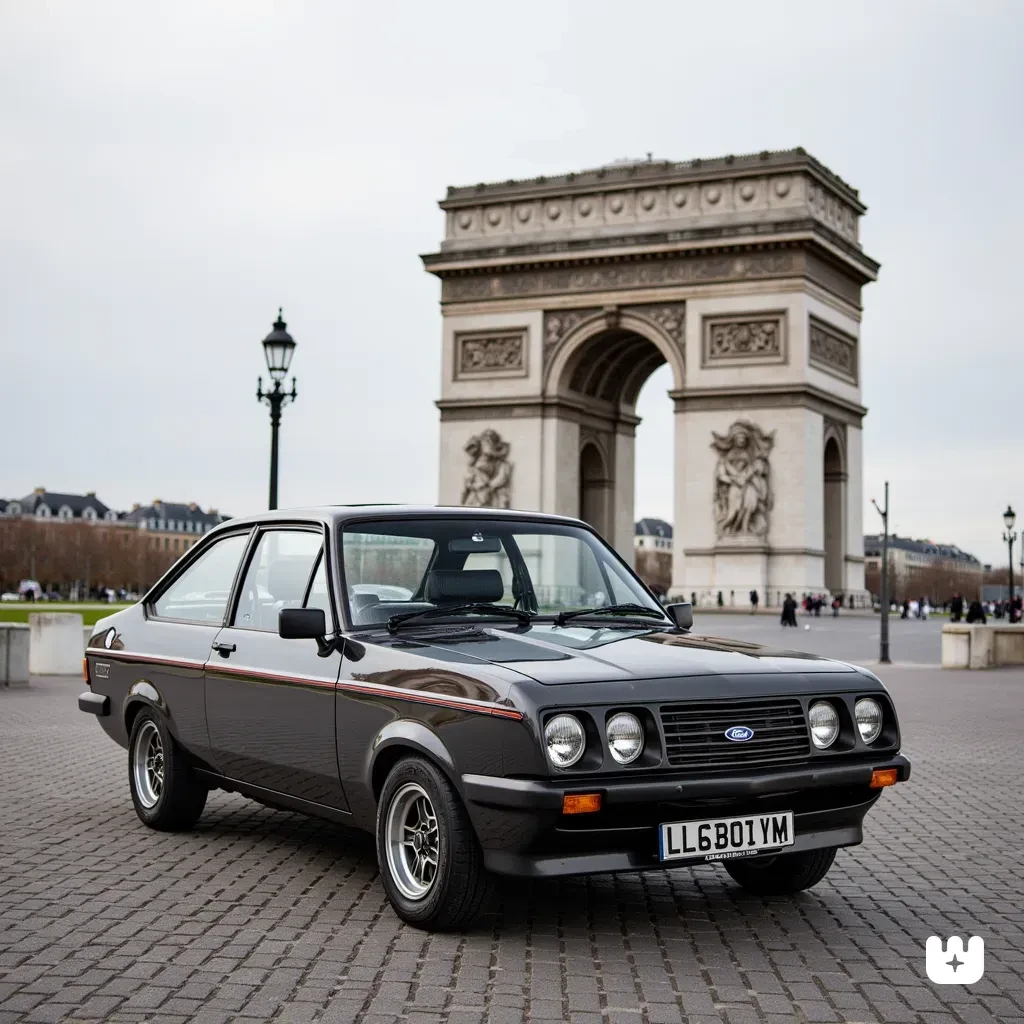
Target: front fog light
x: 824, y: 724
x: 869, y: 719
x: 565, y: 740
x: 625, y: 737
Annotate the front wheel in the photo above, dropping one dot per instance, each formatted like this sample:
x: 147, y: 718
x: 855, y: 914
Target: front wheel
x: 784, y: 874
x: 166, y: 792
x: 429, y: 858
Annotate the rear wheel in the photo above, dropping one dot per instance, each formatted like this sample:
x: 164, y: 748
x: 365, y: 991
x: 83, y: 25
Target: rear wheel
x: 430, y: 861
x: 167, y: 794
x: 784, y: 874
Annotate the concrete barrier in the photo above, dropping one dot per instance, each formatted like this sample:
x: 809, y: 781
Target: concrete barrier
x: 14, y: 645
x: 55, y: 645
x: 977, y: 646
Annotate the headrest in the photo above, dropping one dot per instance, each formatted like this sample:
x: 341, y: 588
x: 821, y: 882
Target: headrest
x: 464, y: 586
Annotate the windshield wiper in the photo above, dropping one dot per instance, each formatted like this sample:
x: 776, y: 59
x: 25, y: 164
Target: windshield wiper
x: 503, y: 611
x: 609, y: 609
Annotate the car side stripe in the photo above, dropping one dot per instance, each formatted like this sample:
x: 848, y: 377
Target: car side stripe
x: 399, y: 693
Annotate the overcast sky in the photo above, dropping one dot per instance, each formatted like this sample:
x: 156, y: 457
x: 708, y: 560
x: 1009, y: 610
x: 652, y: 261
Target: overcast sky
x: 171, y: 173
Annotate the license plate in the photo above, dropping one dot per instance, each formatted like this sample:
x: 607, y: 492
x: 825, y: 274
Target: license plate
x: 725, y: 838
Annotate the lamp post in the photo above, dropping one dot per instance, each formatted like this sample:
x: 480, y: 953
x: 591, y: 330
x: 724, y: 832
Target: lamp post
x: 278, y: 346
x: 883, y: 650
x: 1010, y: 518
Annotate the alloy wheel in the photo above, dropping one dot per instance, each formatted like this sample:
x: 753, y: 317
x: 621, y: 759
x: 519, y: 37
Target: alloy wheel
x: 413, y: 842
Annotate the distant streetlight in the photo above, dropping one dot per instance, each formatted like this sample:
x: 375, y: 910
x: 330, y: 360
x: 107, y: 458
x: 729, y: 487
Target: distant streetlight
x: 883, y: 647
x: 1010, y: 518
x: 278, y: 346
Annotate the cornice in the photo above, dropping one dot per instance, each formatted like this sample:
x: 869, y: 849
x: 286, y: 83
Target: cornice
x: 570, y: 253
x: 653, y: 173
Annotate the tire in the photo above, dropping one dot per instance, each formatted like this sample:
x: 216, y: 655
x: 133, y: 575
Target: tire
x: 782, y: 875
x: 167, y: 794
x: 417, y: 798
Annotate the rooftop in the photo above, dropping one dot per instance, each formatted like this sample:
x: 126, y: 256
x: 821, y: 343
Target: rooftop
x: 654, y: 172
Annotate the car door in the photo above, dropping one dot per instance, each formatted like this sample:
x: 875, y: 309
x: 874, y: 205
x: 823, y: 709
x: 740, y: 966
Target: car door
x: 182, y: 621
x: 270, y: 701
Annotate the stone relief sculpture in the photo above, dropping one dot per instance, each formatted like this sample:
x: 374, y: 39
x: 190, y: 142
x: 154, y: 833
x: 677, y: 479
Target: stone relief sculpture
x: 488, y: 481
x: 743, y: 487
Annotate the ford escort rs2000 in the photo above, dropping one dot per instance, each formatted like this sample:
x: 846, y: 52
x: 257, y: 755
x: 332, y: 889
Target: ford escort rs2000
x: 489, y: 693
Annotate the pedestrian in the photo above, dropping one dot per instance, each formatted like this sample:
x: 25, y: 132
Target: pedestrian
x: 956, y: 608
x: 976, y: 613
x: 837, y: 603
x: 925, y: 608
x: 789, y: 611
x: 753, y: 602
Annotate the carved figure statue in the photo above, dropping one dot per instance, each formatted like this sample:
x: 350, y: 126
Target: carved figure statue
x: 488, y: 481
x: 743, y: 488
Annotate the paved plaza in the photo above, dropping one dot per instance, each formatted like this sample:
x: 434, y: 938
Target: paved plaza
x: 260, y: 915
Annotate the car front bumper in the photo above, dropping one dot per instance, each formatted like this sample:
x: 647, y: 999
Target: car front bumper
x: 523, y: 832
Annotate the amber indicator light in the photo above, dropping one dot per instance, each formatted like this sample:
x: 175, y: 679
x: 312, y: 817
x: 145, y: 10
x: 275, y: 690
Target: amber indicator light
x: 581, y: 803
x: 85, y: 671
x: 884, y: 777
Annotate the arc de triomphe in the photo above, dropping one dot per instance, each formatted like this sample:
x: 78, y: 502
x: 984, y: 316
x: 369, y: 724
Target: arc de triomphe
x: 560, y: 296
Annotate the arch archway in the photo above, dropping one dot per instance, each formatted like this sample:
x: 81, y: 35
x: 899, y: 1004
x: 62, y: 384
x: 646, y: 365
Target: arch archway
x: 595, y: 376
x: 593, y: 474
x: 834, y: 504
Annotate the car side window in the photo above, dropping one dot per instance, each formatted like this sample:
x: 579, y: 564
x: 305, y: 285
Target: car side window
x: 318, y: 596
x: 200, y: 593
x: 277, y: 577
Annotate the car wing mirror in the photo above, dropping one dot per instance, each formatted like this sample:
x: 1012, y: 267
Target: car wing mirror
x: 302, y: 623
x: 681, y: 613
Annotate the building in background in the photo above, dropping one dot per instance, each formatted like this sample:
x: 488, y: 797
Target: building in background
x: 922, y: 568
x: 44, y: 504
x: 77, y: 546
x: 652, y: 553
x: 172, y: 526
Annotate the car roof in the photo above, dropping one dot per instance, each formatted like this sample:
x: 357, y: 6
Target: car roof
x: 335, y: 514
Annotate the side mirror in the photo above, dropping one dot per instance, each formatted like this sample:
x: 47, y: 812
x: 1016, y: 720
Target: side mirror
x: 302, y: 623
x: 681, y: 613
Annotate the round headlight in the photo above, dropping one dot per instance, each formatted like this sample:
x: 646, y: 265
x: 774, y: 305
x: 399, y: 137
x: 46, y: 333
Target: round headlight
x: 869, y: 719
x: 824, y: 724
x: 625, y: 737
x: 565, y: 740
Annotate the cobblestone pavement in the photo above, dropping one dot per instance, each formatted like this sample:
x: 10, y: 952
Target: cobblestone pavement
x: 261, y: 915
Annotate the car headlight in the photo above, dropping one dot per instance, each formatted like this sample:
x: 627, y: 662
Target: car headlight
x: 625, y: 737
x: 869, y: 719
x: 824, y: 724
x: 565, y: 740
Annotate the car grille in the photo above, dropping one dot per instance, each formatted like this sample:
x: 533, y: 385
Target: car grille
x: 695, y: 733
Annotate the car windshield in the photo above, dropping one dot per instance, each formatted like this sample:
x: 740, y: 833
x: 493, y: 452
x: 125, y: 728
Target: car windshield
x: 402, y: 566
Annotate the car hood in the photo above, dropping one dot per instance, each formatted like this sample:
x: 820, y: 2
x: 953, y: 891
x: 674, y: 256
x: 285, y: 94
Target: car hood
x: 582, y: 654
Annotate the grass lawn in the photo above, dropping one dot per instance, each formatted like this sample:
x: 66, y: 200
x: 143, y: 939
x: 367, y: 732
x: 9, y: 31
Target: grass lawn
x: 90, y: 613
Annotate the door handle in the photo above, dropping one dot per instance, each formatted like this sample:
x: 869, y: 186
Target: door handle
x: 223, y: 649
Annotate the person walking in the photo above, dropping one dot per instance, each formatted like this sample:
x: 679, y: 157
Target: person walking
x: 753, y: 602
x: 976, y: 613
x: 789, y: 611
x: 956, y: 608
x: 837, y: 603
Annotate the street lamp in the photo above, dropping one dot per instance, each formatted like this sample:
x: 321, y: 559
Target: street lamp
x: 883, y: 647
x: 1010, y: 518
x: 278, y: 346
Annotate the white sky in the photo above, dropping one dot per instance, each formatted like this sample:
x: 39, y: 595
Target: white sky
x: 170, y: 174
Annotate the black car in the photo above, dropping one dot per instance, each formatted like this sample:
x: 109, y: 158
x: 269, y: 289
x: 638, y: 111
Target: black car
x: 488, y: 692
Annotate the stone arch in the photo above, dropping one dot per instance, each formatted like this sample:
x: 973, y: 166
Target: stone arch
x: 624, y: 339
x: 594, y: 483
x: 834, y: 478
x: 593, y: 379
